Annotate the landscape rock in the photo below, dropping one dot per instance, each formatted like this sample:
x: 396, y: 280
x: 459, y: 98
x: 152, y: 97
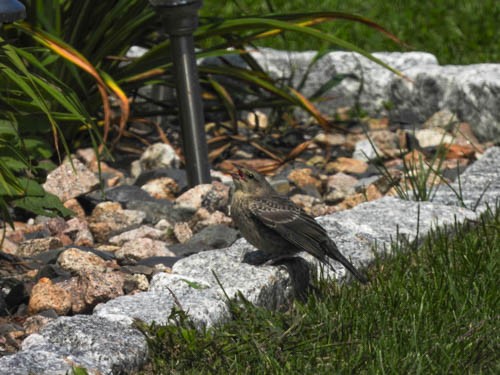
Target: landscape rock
x: 37, y: 362
x: 264, y: 286
x: 347, y: 165
x: 213, y: 197
x: 143, y: 231
x: 330, y: 139
x: 74, y: 288
x: 69, y: 181
x: 257, y: 120
x: 75, y: 206
x: 183, y: 232
x: 33, y: 324
x: 101, y: 286
x: 108, y: 219
x: 135, y: 282
x: 470, y: 91
x: 79, y: 262
x: 158, y: 155
x: 92, y: 342
x: 165, y: 226
x: 383, y: 218
x: 385, y: 140
x: 35, y: 246
x: 222, y: 177
x: 304, y: 177
x: 178, y: 175
x: 124, y: 194
x: 141, y: 248
x: 205, y: 307
x: 443, y: 119
x: 339, y: 186
x: 161, y: 188
x: 214, y: 237
x: 46, y: 295
x: 78, y: 230
x: 305, y: 201
x: 204, y: 218
x: 479, y: 184
x: 432, y: 137
x: 9, y: 247
x: 366, y: 151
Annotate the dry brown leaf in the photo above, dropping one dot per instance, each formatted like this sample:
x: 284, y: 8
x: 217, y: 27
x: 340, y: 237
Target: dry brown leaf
x: 218, y: 151
x: 266, y: 151
x: 260, y: 165
x: 298, y: 150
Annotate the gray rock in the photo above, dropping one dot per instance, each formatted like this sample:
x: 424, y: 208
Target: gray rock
x: 78, y: 261
x: 78, y: 230
x: 214, y: 237
x: 91, y: 342
x: 264, y: 286
x: 143, y: 231
x: 432, y: 137
x: 179, y: 175
x: 36, y: 246
x: 160, y: 209
x: 69, y: 181
x: 363, y: 183
x: 123, y: 194
x: 339, y: 186
x: 158, y: 155
x: 214, y: 196
x: 108, y: 219
x: 479, y: 185
x: 384, y: 218
x: 127, y: 193
x: 366, y: 151
x: 111, y: 347
x: 36, y: 362
x: 141, y: 248
x: 472, y: 91
x: 202, y: 303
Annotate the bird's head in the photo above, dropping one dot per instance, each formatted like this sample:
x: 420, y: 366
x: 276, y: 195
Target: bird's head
x: 249, y: 181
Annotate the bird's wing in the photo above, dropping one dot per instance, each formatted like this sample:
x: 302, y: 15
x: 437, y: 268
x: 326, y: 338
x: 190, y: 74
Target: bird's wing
x: 291, y: 222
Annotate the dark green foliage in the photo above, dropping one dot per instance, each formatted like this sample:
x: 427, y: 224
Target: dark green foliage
x: 28, y: 102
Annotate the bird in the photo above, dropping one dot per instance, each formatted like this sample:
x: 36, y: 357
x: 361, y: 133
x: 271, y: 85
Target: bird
x: 278, y: 227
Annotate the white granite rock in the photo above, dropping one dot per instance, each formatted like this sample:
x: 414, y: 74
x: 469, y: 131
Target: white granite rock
x: 478, y: 187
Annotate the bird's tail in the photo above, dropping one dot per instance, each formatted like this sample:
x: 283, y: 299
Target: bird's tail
x: 333, y: 252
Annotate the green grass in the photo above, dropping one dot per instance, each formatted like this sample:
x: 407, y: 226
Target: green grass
x: 457, y: 32
x: 431, y: 311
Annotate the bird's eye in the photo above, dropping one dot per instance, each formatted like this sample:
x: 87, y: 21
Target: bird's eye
x: 250, y: 175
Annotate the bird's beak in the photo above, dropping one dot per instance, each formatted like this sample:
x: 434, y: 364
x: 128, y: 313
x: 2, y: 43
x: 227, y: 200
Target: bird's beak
x: 238, y: 175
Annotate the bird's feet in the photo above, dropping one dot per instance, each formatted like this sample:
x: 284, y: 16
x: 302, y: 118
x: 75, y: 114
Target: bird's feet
x: 256, y: 258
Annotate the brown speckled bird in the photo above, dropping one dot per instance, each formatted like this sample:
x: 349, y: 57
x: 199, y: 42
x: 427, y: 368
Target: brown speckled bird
x: 277, y: 226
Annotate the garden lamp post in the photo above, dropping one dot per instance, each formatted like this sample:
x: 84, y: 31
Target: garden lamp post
x: 180, y: 18
x: 11, y: 10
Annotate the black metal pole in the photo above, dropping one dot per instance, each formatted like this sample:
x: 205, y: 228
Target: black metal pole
x: 180, y: 20
x: 190, y: 110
